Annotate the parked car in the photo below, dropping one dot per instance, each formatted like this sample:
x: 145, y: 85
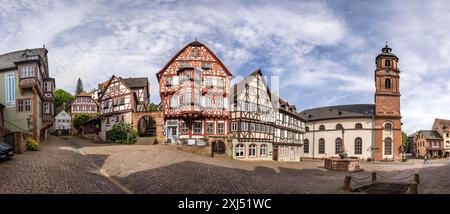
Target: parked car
x: 6, y: 151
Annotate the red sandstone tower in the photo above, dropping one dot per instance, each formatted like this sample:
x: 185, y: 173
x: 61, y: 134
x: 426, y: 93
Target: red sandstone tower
x: 388, y: 125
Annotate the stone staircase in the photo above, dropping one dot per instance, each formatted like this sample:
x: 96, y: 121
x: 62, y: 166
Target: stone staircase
x: 145, y: 140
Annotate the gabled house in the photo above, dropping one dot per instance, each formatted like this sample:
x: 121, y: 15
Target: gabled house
x: 442, y: 126
x: 63, y: 123
x: 27, y: 92
x: 83, y: 104
x: 289, y: 130
x: 252, y: 119
x: 193, y: 86
x: 428, y: 142
x: 120, y: 98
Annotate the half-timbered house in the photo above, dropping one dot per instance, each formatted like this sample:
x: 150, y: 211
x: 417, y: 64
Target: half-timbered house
x: 83, y: 104
x: 289, y: 130
x: 252, y: 119
x: 193, y: 89
x: 119, y: 99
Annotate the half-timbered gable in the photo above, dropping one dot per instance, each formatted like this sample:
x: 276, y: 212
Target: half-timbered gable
x: 83, y: 104
x: 252, y: 118
x: 193, y: 87
x: 117, y: 98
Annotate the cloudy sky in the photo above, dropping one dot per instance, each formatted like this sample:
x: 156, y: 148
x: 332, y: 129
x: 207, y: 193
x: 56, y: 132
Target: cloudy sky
x: 323, y: 51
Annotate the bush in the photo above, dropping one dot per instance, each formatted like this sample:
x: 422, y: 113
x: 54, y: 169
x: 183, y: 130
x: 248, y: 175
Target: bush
x: 123, y: 133
x: 79, y: 120
x: 32, y: 144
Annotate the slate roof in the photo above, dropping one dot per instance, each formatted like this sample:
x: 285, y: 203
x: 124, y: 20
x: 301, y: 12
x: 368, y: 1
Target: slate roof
x: 431, y: 135
x: 7, y: 60
x: 339, y: 112
x: 136, y: 82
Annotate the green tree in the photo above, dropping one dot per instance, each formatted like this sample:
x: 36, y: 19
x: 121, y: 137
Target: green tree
x: 79, y: 120
x: 62, y: 97
x: 405, y: 142
x: 152, y: 107
x: 79, y: 87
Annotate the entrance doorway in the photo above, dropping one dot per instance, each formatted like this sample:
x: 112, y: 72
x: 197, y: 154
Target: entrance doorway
x: 172, y: 134
x: 275, y: 153
x: 147, y: 126
x: 218, y: 147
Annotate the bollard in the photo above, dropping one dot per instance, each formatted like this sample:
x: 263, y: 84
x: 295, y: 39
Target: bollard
x: 413, y: 188
x: 416, y: 178
x: 374, y: 177
x: 347, y: 183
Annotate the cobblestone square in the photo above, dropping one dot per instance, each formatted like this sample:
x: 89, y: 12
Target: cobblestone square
x: 80, y: 166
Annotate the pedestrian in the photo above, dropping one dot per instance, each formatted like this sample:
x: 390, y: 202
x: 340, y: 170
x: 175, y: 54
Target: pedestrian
x: 425, y: 158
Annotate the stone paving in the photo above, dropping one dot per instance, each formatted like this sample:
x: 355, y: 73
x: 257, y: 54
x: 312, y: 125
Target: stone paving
x: 56, y: 168
x: 72, y: 166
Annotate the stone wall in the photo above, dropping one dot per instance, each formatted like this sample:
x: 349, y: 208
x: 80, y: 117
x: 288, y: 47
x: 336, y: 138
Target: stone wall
x: 201, y: 150
x: 157, y: 116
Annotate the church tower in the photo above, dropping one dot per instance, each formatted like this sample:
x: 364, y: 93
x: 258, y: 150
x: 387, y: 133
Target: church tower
x: 388, y: 125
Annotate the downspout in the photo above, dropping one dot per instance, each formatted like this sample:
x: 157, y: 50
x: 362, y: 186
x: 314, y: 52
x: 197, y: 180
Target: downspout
x: 314, y: 138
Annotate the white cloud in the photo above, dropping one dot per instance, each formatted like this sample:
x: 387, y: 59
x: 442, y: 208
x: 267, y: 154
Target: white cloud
x: 316, y: 49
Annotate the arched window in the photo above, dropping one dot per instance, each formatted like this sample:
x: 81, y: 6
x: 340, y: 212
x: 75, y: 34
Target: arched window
x: 239, y: 150
x: 387, y: 83
x: 338, y: 146
x: 321, y: 146
x: 388, y: 126
x: 339, y: 126
x: 358, y: 126
x: 358, y: 146
x: 307, y: 128
x: 388, y: 146
x: 322, y: 128
x: 263, y: 150
x: 252, y: 150
x: 306, y: 146
x: 387, y: 63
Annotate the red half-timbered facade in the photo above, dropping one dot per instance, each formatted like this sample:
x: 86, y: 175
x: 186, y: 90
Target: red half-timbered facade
x: 193, y: 89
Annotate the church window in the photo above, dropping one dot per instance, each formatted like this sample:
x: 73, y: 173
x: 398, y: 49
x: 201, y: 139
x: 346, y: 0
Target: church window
x: 338, y: 147
x: 388, y: 146
x: 388, y: 126
x: 321, y: 146
x: 387, y: 63
x: 387, y: 83
x: 321, y: 128
x: 358, y: 146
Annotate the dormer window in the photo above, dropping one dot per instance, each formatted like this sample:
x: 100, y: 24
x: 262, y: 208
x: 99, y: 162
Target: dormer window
x: 321, y: 128
x: 27, y: 71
